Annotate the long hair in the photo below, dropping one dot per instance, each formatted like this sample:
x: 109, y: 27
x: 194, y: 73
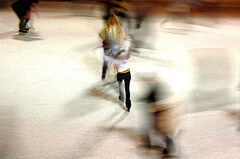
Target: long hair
x: 120, y: 32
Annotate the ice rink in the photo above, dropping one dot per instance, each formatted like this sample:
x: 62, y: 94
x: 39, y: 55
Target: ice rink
x: 49, y: 107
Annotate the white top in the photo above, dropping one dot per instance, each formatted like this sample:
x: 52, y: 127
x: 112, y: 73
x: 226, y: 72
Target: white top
x: 121, y: 62
x: 121, y: 65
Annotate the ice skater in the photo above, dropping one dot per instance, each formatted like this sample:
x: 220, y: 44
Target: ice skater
x: 120, y: 56
x: 112, y: 35
x: 162, y: 115
x: 22, y: 8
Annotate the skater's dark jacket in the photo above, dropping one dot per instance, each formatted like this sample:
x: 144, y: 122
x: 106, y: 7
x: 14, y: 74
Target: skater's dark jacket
x: 22, y: 6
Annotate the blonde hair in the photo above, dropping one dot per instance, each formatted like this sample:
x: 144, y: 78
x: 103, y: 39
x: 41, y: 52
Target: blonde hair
x: 120, y: 32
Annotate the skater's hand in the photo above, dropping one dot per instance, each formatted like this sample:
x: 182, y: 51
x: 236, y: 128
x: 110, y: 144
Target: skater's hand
x: 120, y: 52
x: 105, y: 43
x: 111, y: 54
x: 124, y: 57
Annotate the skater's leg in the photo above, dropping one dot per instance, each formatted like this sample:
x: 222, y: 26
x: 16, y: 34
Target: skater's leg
x: 127, y: 78
x: 104, y: 69
x: 120, y: 82
x: 22, y: 25
x: 169, y: 145
x: 121, y: 96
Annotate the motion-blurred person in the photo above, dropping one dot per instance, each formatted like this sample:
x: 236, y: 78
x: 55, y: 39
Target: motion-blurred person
x: 120, y: 9
x: 112, y: 34
x: 175, y: 10
x: 141, y: 12
x: 23, y: 8
x: 120, y: 59
x: 163, y: 114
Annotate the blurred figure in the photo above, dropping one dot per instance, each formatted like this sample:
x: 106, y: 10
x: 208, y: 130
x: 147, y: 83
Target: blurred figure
x: 23, y: 8
x: 112, y: 35
x: 141, y: 11
x: 120, y: 9
x: 162, y: 115
x: 176, y: 10
x: 120, y: 56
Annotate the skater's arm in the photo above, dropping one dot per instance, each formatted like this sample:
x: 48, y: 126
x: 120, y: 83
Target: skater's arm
x: 109, y: 58
x: 122, y: 55
x: 112, y: 58
x: 102, y: 34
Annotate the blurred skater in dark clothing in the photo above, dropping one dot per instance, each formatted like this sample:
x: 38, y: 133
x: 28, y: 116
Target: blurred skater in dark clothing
x: 22, y: 9
x: 162, y: 115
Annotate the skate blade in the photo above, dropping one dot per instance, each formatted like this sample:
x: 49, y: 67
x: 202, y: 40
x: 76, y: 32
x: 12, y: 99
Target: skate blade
x: 21, y: 33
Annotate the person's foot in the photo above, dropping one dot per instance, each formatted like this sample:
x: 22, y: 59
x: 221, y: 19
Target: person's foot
x: 128, y: 105
x: 121, y: 99
x: 27, y: 29
x: 170, y: 148
x: 169, y: 154
x: 165, y: 151
x: 103, y: 78
x: 23, y: 32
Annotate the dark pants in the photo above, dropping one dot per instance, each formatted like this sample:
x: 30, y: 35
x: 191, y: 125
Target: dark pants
x: 21, y: 14
x: 104, y: 69
x: 126, y: 77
